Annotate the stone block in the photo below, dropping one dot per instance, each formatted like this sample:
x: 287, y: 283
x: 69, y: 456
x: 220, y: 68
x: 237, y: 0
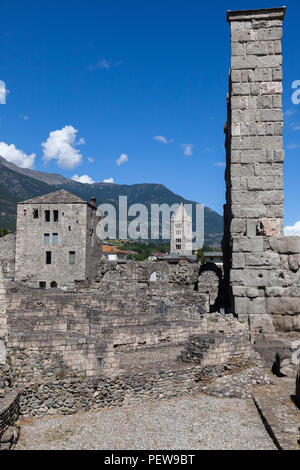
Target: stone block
x: 241, y: 35
x: 270, y: 34
x: 279, y: 156
x: 266, y: 260
x: 260, y: 183
x: 251, y: 227
x: 258, y: 48
x: 238, y: 260
x: 268, y: 142
x: 241, y: 88
x: 261, y: 75
x: 236, y: 76
x: 269, y: 227
x: 257, y: 306
x: 238, y: 226
x: 285, y: 245
x: 238, y: 49
x: 283, y: 305
x: 271, y: 115
x: 262, y: 323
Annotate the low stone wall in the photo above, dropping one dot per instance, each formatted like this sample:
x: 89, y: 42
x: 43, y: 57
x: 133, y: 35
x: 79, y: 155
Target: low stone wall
x: 213, y: 349
x: 73, y: 395
x: 9, y: 413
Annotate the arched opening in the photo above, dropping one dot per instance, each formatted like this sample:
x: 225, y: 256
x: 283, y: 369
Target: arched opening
x: 210, y: 281
x: 53, y: 284
x: 153, y: 277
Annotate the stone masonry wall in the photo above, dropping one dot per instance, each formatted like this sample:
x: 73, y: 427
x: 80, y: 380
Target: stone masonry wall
x: 7, y: 255
x: 9, y: 413
x: 213, y: 349
x: 261, y: 267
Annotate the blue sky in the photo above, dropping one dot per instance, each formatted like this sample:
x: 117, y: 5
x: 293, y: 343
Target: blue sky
x: 123, y: 72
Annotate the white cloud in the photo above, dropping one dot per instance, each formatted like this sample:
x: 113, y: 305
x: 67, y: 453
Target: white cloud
x: 292, y: 229
x: 18, y: 157
x: 164, y: 140
x: 188, y: 149
x: 123, y: 159
x: 83, y: 179
x: 292, y: 146
x: 90, y: 159
x: 60, y: 146
x: 289, y: 112
x: 220, y: 164
x: 3, y: 92
x: 105, y: 64
x: 109, y: 180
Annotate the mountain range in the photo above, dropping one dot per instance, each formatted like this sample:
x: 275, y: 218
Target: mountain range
x: 18, y: 184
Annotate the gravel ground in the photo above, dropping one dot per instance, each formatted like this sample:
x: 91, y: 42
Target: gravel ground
x: 194, y: 422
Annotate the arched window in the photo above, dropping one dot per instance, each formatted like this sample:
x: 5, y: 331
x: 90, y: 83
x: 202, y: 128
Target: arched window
x: 153, y: 277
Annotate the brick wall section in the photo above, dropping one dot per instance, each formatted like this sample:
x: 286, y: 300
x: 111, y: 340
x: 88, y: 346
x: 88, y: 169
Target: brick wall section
x: 261, y: 267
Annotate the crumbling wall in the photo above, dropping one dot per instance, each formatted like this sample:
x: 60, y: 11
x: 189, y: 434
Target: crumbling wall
x: 7, y: 255
x: 261, y: 267
x: 213, y: 349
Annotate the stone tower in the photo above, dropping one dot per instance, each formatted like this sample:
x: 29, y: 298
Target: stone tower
x: 56, y: 241
x: 181, y: 232
x: 257, y: 258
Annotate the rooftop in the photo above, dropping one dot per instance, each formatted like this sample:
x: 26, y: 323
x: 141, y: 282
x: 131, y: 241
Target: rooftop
x: 57, y: 197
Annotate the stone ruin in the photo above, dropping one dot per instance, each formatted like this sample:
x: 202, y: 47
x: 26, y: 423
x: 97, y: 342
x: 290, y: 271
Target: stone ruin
x: 153, y: 330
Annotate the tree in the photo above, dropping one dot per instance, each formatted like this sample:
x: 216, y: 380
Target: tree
x: 4, y: 231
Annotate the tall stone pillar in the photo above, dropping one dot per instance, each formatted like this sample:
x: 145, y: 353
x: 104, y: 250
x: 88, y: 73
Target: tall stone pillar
x: 253, y: 212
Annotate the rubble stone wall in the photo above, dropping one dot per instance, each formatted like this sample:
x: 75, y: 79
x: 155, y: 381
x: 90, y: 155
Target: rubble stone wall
x: 9, y: 413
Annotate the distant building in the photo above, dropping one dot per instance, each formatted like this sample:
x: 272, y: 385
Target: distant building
x: 215, y: 257
x: 181, y: 232
x: 155, y: 256
x: 113, y: 253
x: 56, y: 241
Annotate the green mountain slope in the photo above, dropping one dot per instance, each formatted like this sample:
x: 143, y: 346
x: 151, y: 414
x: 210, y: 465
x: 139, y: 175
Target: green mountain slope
x: 16, y: 186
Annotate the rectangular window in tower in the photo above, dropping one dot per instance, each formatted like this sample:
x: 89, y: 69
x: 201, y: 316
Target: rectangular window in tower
x: 46, y: 238
x: 71, y: 257
x: 55, y: 216
x: 55, y: 238
x: 48, y: 257
x: 47, y: 216
x: 35, y: 213
x: 178, y: 247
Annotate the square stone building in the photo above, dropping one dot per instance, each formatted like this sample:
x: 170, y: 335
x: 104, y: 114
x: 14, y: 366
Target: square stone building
x: 56, y: 242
